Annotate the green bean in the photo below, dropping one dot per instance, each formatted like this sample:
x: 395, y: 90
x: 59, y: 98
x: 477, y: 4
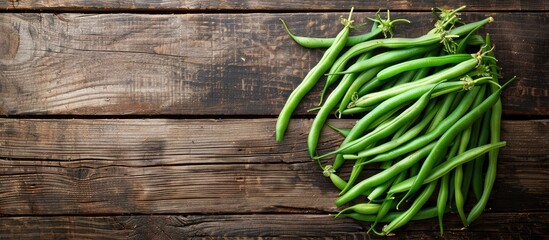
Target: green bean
x: 422, y: 63
x: 467, y: 28
x: 446, y: 138
x: 452, y: 153
x: 495, y: 121
x: 338, y: 181
x: 420, y: 141
x: 387, y: 58
x: 342, y: 131
x: 479, y: 162
x: 426, y: 39
x: 310, y: 80
x: 423, y: 72
x: 329, y: 83
x: 368, y: 88
x: 409, y: 114
x: 362, y: 208
x: 382, y: 189
x: 495, y: 124
x: 474, y: 142
x: 446, y: 103
x: 357, y: 169
x: 386, y: 206
x: 442, y: 199
x: 359, y: 81
x: 332, y: 79
x: 420, y: 215
x: 413, y: 210
x: 317, y: 42
x: 398, y: 141
x: 446, y: 167
x: 405, y: 77
x: 475, y: 40
x: 458, y: 175
x: 449, y: 73
x: 356, y: 110
x: 322, y: 115
x: 381, y: 177
x: 363, y: 123
x: 370, y: 45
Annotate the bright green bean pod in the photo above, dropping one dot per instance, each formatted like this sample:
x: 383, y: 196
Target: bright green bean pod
x: 383, y: 176
x: 368, y: 88
x: 322, y: 115
x: 342, y: 131
x: 382, y: 188
x: 406, y: 116
x: 474, y: 142
x: 388, y: 57
x: 446, y: 167
x: 356, y: 110
x: 426, y: 39
x: 422, y: 63
x: 495, y: 125
x: 420, y: 141
x: 420, y: 215
x: 357, y: 169
x: 447, y: 137
x: 386, y: 206
x: 446, y: 103
x: 442, y: 199
x: 338, y: 182
x: 317, y: 42
x: 458, y: 175
x: 405, y: 77
x: 341, y: 62
x: 362, y: 208
x: 330, y: 81
x: 413, y: 132
x: 492, y: 165
x: 423, y: 72
x: 479, y: 162
x: 413, y: 210
x: 453, y: 152
x: 360, y: 80
x: 449, y: 73
x: 311, y: 79
x: 467, y: 28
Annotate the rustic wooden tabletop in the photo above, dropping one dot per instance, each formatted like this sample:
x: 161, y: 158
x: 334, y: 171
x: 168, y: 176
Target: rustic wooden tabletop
x: 155, y: 120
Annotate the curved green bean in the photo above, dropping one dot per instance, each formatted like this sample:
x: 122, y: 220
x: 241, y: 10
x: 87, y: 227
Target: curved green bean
x: 422, y: 63
x: 310, y: 79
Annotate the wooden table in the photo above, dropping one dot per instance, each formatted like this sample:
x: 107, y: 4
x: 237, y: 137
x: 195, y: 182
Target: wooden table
x: 155, y: 120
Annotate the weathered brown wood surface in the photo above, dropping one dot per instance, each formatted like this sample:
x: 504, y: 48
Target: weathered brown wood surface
x: 131, y: 125
x: 167, y: 166
x: 199, y: 64
x: 249, y: 5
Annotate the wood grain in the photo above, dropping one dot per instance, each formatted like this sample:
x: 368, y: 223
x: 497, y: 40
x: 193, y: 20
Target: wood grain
x: 488, y: 226
x: 285, y: 5
x: 77, y: 166
x: 209, y: 64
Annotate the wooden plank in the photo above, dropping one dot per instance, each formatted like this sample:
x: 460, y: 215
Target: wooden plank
x: 489, y: 226
x: 285, y: 5
x: 78, y: 166
x: 209, y: 64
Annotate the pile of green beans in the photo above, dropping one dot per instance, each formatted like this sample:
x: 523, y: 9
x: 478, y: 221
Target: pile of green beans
x: 428, y: 113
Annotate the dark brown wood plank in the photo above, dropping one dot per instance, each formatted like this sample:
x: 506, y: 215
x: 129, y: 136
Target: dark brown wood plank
x: 210, y: 64
x: 153, y: 166
x: 285, y: 5
x: 489, y: 226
